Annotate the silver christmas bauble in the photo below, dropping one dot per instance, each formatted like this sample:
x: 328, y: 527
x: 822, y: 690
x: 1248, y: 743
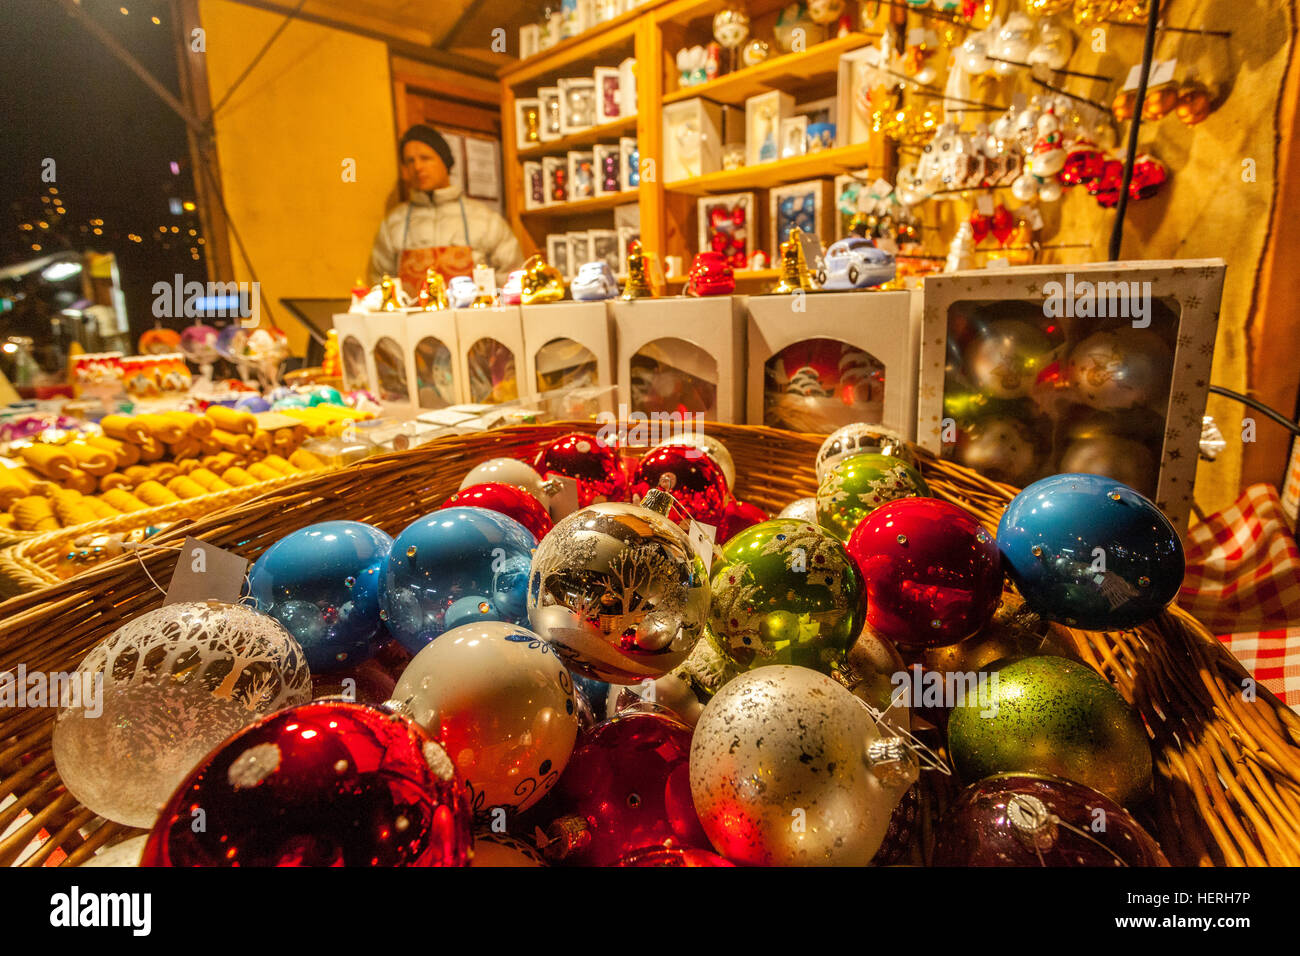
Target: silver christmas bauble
x: 1121, y: 368
x: 1116, y: 457
x: 618, y: 592
x: 788, y: 768
x: 160, y: 692
x: 998, y: 447
x: 861, y: 438
x: 801, y: 509
x: 1005, y: 359
x: 712, y: 449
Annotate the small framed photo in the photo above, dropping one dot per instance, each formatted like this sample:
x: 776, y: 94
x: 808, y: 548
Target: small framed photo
x: 577, y: 104
x: 534, y: 186
x: 555, y: 175
x: 794, y: 136
x: 630, y: 157
x: 608, y: 162
x: 609, y: 94
x: 582, y: 176
x: 528, y: 122
x: 549, y: 97
x: 557, y: 252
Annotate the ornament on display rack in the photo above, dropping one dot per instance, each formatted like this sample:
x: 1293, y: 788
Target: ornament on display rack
x: 853, y: 488
x: 825, y: 11
x: 1025, y: 819
x: 618, y: 591
x: 327, y: 783
x: 1101, y: 558
x: 541, y: 282
x: 1007, y: 357
x: 755, y: 52
x: 1011, y: 46
x: 170, y: 685
x: 433, y: 294
x: 696, y: 484
x: 322, y: 584
x: 795, y: 31
x: 795, y: 275
x: 710, y: 274
x: 508, y: 471
x: 500, y: 702
x: 462, y: 291
x: 1057, y: 716
x: 691, y: 65
x: 933, y: 574
x: 1195, y: 102
x: 1052, y: 47
x: 452, y: 567
x: 731, y: 28
x: 785, y: 592
x: 817, y: 749
x: 590, y: 462
x: 391, y: 296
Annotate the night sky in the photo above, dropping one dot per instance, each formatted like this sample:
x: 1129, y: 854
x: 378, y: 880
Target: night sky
x: 65, y: 96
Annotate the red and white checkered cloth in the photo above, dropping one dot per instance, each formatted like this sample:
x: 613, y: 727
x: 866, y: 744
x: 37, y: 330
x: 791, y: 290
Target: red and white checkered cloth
x: 1243, y: 583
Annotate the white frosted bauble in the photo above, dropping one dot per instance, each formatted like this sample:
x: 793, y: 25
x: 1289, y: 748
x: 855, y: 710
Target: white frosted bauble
x: 801, y: 509
x: 507, y: 471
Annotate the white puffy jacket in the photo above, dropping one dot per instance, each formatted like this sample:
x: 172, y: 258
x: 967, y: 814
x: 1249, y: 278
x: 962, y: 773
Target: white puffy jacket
x: 436, y: 221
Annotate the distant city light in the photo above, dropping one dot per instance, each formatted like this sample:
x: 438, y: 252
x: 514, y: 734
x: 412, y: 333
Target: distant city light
x: 174, y: 205
x: 60, y: 270
x: 176, y: 168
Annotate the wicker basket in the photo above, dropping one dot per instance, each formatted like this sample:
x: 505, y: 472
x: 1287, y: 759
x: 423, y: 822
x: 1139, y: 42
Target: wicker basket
x: 1227, y: 788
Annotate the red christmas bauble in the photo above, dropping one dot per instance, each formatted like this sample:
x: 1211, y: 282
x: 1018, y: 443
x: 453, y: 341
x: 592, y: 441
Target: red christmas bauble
x: 665, y: 856
x: 979, y: 226
x: 719, y: 242
x: 737, y: 516
x: 592, y: 463
x: 326, y: 783
x: 902, y: 828
x: 1082, y: 166
x: 933, y: 573
x: 738, y: 215
x: 688, y: 475
x: 1025, y: 819
x: 1003, y: 224
x: 509, y: 500
x: 626, y: 788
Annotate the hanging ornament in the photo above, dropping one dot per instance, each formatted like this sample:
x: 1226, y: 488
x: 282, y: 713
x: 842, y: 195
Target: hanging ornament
x: 1012, y: 43
x: 627, y: 788
x: 1101, y: 558
x: 695, y: 482
x: 673, y: 856
x: 1160, y: 101
x: 507, y: 471
x: 853, y: 488
x: 1121, y: 369
x: 785, y: 592
x: 590, y: 462
x: 1003, y: 224
x: 1053, y: 46
x: 825, y: 11
x: 736, y: 517
x: 168, y: 686
x: 509, y: 500
x: 1006, y: 358
x: 861, y: 438
x: 933, y: 574
x: 322, y: 784
x: 1195, y: 103
x: 1052, y: 715
x: 1022, y: 819
x: 501, y: 703
x: 452, y: 567
x: 494, y: 849
x: 1149, y: 174
x: 801, y: 509
x: 618, y: 591
x: 322, y: 584
x: 755, y: 52
x: 817, y: 751
x: 715, y: 450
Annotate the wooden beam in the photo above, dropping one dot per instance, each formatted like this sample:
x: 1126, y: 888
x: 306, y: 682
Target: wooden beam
x: 445, y: 82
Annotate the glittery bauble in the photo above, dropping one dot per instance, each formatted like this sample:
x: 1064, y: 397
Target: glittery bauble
x: 998, y: 447
x: 324, y: 784
x: 853, y: 488
x: 665, y: 856
x: 1022, y: 819
x: 785, y: 592
x: 1052, y: 715
x: 160, y: 692
x: 509, y: 500
x: 591, y: 463
x: 801, y: 509
x: 627, y: 788
x: 507, y: 471
x: 711, y: 447
x: 1130, y: 462
x: 861, y: 438
x: 619, y: 593
x: 932, y: 572
x: 322, y: 583
x: 455, y: 567
x: 736, y: 517
x: 789, y: 769
x: 1121, y: 368
x: 694, y: 481
x: 503, y: 850
x: 1090, y: 552
x: 501, y: 703
x: 1006, y: 358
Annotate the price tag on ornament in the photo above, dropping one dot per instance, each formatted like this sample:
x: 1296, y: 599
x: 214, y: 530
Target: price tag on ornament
x: 565, y: 501
x: 1162, y: 71
x: 206, y: 573
x: 984, y: 203
x: 485, y: 280
x: 702, y: 537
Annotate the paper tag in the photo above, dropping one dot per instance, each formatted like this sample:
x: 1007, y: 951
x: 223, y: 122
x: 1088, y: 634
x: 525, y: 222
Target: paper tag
x: 565, y: 501
x: 1162, y: 72
x: 702, y: 537
x: 984, y: 203
x: 916, y: 36
x: 1035, y: 219
x: 441, y: 416
x: 206, y: 573
x: 485, y: 280
x: 998, y: 262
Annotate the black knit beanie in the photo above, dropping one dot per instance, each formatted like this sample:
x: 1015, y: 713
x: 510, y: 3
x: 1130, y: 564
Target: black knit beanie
x: 420, y: 133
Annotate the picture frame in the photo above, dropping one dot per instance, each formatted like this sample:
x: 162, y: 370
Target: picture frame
x: 806, y: 204
x: 579, y: 251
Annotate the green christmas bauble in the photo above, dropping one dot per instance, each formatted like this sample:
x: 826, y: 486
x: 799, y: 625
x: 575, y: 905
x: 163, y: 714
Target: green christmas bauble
x: 1051, y: 715
x: 857, y: 486
x: 785, y: 592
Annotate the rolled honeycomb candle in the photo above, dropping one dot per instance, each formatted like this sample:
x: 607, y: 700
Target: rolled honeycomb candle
x: 210, y: 480
x: 126, y: 453
x: 51, y: 461
x: 236, y: 442
x: 123, y: 500
x: 227, y: 419
x: 100, y: 507
x: 263, y: 472
x: 163, y: 429
x: 96, y: 461
x: 82, y: 481
x: 124, y: 428
x: 238, y: 477
x: 185, y: 487
x: 151, y: 449
x: 34, y: 513
x: 154, y: 494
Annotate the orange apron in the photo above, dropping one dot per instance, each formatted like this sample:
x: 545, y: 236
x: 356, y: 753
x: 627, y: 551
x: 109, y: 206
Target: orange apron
x: 413, y: 264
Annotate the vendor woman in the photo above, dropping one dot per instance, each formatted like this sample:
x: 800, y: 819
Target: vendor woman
x: 440, y: 226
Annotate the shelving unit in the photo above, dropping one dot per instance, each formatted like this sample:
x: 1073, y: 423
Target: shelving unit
x: 653, y: 33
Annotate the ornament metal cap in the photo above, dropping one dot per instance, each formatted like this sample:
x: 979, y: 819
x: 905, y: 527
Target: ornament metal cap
x: 1032, y: 821
x: 566, y: 836
x: 892, y: 761
x: 658, y: 501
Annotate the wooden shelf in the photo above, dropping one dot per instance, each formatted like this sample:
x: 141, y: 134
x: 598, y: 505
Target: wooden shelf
x: 742, y: 275
x: 587, y: 137
x: 581, y: 206
x: 576, y: 55
x: 827, y: 162
x: 787, y: 72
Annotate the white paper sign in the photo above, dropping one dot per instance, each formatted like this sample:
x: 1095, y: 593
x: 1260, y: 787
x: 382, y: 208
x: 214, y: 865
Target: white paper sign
x: 702, y: 537
x: 1162, y: 72
x: 485, y: 280
x: 205, y: 572
x: 482, y: 180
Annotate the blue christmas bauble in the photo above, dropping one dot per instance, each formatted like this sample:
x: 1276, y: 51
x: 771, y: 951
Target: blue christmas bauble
x: 253, y: 404
x: 322, y: 584
x: 1090, y: 552
x: 453, y: 567
x: 326, y: 395
x: 292, y: 401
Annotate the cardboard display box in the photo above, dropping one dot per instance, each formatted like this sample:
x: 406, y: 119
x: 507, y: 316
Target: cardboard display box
x: 560, y: 340
x: 490, y: 356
